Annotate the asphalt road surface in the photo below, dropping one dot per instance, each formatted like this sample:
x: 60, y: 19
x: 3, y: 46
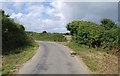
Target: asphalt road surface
x: 53, y: 58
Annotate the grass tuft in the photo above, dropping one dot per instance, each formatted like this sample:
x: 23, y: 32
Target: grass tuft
x: 11, y: 62
x: 98, y: 61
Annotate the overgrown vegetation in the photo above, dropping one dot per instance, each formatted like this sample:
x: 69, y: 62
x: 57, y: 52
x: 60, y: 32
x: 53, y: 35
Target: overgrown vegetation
x: 13, y: 35
x: 89, y: 33
x: 44, y: 36
x: 97, y: 60
x: 17, y: 45
x: 88, y: 39
x: 96, y: 44
x: 12, y: 62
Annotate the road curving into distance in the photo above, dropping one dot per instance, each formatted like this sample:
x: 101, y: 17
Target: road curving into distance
x: 53, y: 58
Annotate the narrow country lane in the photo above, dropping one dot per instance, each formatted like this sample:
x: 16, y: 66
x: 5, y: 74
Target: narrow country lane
x: 53, y: 58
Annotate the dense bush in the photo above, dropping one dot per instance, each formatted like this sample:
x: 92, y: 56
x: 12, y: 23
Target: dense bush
x: 44, y: 36
x: 13, y: 34
x: 89, y: 33
x: 110, y: 36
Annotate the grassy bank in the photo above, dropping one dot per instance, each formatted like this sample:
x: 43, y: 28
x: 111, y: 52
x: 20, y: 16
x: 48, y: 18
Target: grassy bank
x: 11, y: 62
x: 56, y: 37
x: 97, y: 60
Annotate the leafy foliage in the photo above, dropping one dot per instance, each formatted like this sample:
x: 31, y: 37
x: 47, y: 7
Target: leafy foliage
x: 108, y: 24
x: 89, y: 33
x: 13, y: 34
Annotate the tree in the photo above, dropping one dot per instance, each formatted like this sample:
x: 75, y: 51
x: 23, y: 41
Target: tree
x: 44, y: 32
x: 13, y: 34
x: 72, y: 27
x: 89, y: 33
x: 108, y: 24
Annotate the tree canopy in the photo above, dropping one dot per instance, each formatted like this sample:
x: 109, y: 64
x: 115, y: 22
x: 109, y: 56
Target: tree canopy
x: 13, y: 34
x: 95, y: 35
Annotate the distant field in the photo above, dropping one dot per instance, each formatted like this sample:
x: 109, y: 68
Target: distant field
x: 57, y: 37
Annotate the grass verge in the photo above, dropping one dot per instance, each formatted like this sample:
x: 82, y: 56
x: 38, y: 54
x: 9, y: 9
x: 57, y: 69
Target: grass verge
x: 11, y: 62
x: 97, y: 60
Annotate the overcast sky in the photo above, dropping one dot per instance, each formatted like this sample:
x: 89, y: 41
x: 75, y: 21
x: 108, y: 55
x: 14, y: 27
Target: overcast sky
x: 53, y: 16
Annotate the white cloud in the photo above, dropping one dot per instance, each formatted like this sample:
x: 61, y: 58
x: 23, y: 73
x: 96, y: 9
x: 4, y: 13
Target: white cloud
x: 85, y: 0
x: 16, y: 15
x: 59, y: 0
x: 32, y: 22
x: 54, y: 19
x: 22, y: 0
x: 93, y: 11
